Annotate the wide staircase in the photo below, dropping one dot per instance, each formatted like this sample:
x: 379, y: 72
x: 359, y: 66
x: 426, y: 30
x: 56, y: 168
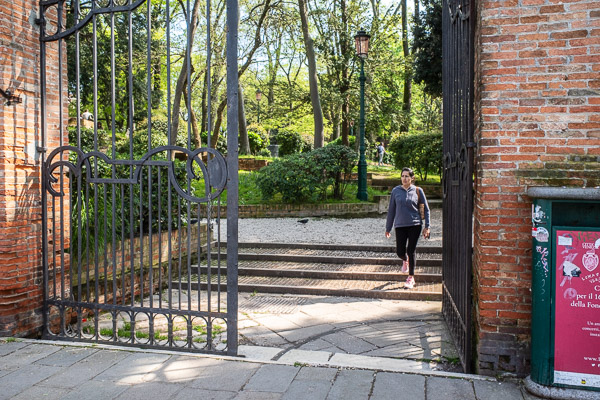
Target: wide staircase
x: 334, y: 270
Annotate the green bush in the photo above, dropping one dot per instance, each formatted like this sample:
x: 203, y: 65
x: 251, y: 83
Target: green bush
x: 289, y: 142
x: 258, y: 138
x: 308, y: 176
x: 294, y: 177
x: 351, y: 142
x: 334, y: 163
x: 421, y: 151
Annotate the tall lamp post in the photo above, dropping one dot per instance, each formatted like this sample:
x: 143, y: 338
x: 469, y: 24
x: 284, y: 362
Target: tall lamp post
x: 361, y: 40
x: 258, y: 97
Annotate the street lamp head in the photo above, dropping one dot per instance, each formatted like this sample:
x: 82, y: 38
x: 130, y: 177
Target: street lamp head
x: 258, y: 95
x: 361, y: 40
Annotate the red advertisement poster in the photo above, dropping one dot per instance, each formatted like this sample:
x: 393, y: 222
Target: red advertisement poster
x: 577, y: 310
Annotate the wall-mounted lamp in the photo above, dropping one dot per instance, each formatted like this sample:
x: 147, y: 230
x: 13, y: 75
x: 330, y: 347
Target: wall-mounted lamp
x: 12, y: 99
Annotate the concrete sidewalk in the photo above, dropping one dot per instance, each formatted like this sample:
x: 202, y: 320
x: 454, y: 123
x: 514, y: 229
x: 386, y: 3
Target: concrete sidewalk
x: 58, y: 370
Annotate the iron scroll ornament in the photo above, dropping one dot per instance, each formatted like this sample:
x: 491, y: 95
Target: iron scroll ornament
x: 214, y: 172
x: 112, y: 7
x: 458, y: 163
x: 455, y: 10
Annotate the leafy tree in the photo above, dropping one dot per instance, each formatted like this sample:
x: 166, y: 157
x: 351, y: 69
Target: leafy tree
x: 427, y: 47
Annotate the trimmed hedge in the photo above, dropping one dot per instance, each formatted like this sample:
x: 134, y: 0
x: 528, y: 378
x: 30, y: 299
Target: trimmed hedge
x: 308, y: 176
x: 421, y: 151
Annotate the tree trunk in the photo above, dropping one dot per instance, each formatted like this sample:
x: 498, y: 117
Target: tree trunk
x: 192, y: 116
x: 183, y: 75
x: 406, y: 100
x: 312, y: 76
x: 214, y: 137
x: 244, y: 142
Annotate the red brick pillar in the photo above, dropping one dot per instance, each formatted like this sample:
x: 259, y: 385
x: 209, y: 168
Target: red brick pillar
x: 21, y: 290
x: 537, y: 119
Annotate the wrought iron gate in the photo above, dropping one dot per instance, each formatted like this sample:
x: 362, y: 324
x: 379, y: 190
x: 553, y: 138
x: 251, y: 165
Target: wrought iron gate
x: 458, y: 45
x: 132, y: 214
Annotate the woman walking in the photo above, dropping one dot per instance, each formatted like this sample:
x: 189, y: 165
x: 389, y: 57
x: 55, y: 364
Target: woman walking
x: 404, y: 216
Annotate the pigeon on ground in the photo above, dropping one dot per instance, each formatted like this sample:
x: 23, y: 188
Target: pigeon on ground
x: 303, y: 221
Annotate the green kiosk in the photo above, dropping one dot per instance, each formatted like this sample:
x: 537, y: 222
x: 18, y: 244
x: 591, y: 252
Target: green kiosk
x: 565, y: 326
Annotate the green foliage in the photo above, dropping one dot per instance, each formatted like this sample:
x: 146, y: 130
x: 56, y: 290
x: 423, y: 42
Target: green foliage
x: 294, y: 177
x: 308, y: 176
x: 221, y: 143
x: 258, y: 138
x: 334, y: 163
x: 421, y: 151
x: 98, y: 208
x: 351, y: 142
x: 289, y: 142
x: 427, y: 47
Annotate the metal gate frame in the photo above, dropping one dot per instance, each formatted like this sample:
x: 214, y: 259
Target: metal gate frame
x: 67, y: 304
x: 458, y: 91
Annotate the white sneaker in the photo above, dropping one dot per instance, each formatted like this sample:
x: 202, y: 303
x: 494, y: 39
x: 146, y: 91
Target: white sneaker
x: 404, y: 267
x: 410, y: 283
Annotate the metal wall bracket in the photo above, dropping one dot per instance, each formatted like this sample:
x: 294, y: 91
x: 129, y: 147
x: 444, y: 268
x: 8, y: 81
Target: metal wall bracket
x: 12, y: 99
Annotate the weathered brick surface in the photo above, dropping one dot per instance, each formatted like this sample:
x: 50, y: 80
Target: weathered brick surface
x: 21, y: 292
x: 537, y: 106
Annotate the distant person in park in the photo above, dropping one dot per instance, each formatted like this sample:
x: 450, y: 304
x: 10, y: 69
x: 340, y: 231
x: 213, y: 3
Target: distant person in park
x: 87, y: 115
x: 406, y: 216
x: 380, y: 153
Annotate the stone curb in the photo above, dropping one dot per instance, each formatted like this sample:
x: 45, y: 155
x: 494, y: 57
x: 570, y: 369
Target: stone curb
x: 559, y: 393
x: 379, y: 364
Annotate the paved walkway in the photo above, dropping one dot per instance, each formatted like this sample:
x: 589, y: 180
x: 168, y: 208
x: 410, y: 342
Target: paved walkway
x: 37, y: 369
x: 348, y: 331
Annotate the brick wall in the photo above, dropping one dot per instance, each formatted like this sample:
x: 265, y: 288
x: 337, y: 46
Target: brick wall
x: 537, y: 124
x: 20, y: 208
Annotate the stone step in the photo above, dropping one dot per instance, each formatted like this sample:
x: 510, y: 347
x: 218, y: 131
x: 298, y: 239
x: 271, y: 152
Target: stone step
x: 327, y: 287
x: 333, y: 259
x: 326, y: 271
x: 326, y: 246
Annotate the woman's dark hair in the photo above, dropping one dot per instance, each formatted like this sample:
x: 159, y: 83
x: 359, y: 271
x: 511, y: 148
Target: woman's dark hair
x: 410, y: 172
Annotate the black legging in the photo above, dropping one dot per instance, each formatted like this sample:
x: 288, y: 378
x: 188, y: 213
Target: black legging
x: 410, y: 233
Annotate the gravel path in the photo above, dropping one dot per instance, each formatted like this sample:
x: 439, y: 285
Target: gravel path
x: 326, y: 230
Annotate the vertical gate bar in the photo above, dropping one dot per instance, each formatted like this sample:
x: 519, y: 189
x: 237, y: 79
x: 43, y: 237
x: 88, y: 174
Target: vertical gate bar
x: 114, y: 241
x: 141, y: 239
x: 95, y: 185
x: 199, y: 249
x: 149, y: 117
x: 123, y: 244
x: 208, y: 256
x: 160, y: 277
x: 178, y: 249
x: 169, y: 242
x: 131, y: 234
x: 208, y: 141
x: 54, y: 294
x: 79, y: 241
x: 208, y: 75
x: 169, y: 204
x: 232, y: 172
x: 219, y: 254
x: 61, y: 125
x: 105, y: 245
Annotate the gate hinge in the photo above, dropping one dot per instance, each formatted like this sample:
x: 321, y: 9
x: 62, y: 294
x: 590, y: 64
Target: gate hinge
x: 41, y: 149
x: 471, y: 144
x: 38, y: 21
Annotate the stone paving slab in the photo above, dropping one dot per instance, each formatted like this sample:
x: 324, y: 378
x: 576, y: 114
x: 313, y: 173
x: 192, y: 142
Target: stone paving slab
x: 171, y: 375
x: 400, y: 387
